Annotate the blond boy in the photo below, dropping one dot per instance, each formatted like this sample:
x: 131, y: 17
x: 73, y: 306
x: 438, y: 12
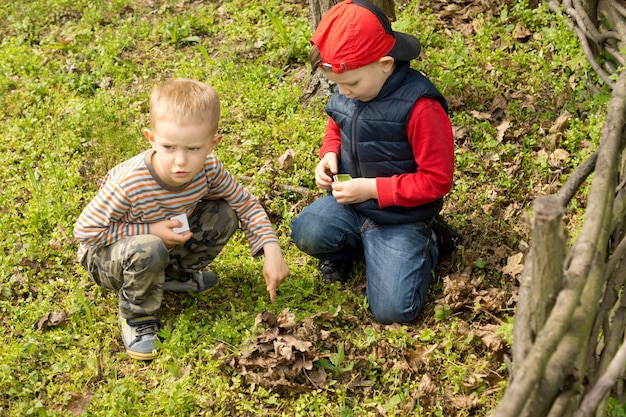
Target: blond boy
x: 134, y: 236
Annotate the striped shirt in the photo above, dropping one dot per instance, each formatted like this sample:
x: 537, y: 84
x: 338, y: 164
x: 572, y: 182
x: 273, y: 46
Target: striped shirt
x: 132, y: 196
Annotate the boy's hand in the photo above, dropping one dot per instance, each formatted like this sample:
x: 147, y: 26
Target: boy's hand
x: 325, y: 170
x: 164, y: 230
x: 275, y: 269
x: 355, y: 190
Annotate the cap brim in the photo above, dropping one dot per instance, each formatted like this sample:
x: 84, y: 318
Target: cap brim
x: 407, y: 47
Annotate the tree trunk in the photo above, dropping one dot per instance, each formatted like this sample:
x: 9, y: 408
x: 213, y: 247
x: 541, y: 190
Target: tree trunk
x: 319, y: 7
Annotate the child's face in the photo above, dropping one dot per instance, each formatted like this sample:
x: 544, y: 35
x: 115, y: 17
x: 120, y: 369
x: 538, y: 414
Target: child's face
x: 363, y: 83
x: 180, y: 150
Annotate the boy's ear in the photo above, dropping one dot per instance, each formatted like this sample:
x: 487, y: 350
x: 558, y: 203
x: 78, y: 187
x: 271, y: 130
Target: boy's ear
x: 215, y: 141
x: 387, y: 63
x: 149, y: 135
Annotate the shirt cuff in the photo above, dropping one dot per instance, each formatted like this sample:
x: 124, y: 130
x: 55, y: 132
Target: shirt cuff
x: 384, y: 188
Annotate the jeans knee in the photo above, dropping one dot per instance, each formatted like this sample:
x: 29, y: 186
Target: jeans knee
x: 300, y: 236
x: 391, y: 312
x: 149, y: 254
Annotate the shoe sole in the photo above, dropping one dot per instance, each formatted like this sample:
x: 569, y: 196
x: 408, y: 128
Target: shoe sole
x: 188, y: 291
x: 141, y: 356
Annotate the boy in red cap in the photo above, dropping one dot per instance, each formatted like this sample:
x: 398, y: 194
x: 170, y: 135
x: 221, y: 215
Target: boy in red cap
x: 389, y: 130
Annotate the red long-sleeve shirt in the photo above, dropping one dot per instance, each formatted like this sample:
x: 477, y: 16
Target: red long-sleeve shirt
x: 430, y: 135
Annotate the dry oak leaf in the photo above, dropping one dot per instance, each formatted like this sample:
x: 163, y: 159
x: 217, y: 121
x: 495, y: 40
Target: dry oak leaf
x: 268, y: 318
x: 426, y: 386
x: 427, y: 392
x: 284, y: 346
x: 514, y: 265
x: 78, y: 403
x: 480, y: 115
x: 457, y: 290
x: 490, y: 336
x: 558, y: 158
x: 463, y: 402
x: 285, y: 320
x: 285, y: 160
x: 51, y: 319
x: 520, y: 32
x: 502, y: 128
x: 420, y: 354
x: 490, y: 299
x: 308, y: 330
x: 561, y: 123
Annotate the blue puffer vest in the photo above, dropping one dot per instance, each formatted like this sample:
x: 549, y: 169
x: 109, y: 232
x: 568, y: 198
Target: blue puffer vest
x: 374, y: 141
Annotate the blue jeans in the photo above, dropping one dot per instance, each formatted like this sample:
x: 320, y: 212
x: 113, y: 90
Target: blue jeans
x: 399, y: 258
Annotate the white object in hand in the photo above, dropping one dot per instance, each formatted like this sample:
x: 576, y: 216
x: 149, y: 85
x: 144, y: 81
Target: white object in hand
x: 185, y: 224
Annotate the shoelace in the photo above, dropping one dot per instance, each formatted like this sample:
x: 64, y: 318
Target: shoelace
x: 146, y: 328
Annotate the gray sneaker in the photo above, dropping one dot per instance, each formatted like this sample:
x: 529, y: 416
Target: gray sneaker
x: 139, y: 336
x: 198, y: 281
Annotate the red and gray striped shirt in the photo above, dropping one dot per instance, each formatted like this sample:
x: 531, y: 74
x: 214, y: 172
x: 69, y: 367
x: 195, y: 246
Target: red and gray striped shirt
x: 132, y: 196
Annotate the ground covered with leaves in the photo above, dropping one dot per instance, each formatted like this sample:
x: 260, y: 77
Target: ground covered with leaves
x: 526, y: 110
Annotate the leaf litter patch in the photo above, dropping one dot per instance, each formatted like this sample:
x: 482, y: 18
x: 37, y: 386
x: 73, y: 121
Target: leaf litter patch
x: 294, y: 357
x: 283, y: 354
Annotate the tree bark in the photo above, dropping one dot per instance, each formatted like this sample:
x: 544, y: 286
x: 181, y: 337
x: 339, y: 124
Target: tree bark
x: 523, y: 336
x: 548, y: 253
x: 318, y: 8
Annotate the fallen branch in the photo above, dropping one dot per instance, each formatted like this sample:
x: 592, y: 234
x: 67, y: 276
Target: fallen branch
x: 286, y: 187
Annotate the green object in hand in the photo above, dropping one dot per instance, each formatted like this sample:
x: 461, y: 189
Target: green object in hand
x: 342, y: 177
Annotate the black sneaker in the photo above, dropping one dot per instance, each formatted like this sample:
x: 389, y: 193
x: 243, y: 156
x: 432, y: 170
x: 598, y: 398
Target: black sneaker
x: 448, y: 238
x: 335, y: 271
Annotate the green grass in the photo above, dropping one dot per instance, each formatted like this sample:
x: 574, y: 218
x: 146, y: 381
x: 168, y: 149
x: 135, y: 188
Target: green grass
x: 76, y: 77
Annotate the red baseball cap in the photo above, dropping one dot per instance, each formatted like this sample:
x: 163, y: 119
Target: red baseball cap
x: 355, y: 33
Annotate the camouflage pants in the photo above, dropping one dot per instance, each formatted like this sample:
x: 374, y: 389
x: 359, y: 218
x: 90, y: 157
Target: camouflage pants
x: 136, y: 266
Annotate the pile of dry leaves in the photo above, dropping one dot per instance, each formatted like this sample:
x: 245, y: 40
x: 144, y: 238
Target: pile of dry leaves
x: 292, y: 356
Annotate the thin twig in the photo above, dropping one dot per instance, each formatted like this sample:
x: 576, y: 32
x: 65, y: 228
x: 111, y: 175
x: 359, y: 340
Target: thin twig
x: 576, y: 179
x: 291, y: 188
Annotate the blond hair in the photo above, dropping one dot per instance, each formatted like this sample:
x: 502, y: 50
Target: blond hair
x: 183, y: 100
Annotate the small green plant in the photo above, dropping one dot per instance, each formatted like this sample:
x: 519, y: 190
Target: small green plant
x: 506, y: 330
x: 336, y: 363
x: 178, y: 32
x: 615, y: 408
x: 442, y: 312
x: 292, y: 40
